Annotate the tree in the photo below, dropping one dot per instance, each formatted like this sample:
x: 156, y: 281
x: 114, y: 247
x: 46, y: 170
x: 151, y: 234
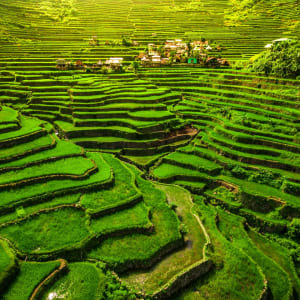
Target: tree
x: 189, y: 45
x: 172, y: 55
x: 135, y: 66
x: 282, y: 60
x: 126, y: 42
x: 161, y: 50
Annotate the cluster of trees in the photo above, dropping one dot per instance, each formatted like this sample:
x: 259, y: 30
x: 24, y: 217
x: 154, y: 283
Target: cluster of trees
x: 282, y: 59
x: 115, y: 290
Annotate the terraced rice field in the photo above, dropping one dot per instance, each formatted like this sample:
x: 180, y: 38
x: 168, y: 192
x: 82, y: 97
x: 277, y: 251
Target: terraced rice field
x: 174, y: 182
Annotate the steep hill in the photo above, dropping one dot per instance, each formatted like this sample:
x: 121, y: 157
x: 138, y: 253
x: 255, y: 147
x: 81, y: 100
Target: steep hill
x: 170, y: 182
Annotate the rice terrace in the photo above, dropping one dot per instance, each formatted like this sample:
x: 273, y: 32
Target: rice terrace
x: 149, y: 149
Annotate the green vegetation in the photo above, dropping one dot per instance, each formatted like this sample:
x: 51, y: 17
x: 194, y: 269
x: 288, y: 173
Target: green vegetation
x: 88, y: 281
x: 282, y: 60
x: 274, y: 274
x: 47, y: 231
x: 8, y: 264
x: 228, y: 280
x: 178, y: 181
x: 83, y: 281
x: 135, y: 217
x: 122, y: 192
x: 141, y: 248
x: 31, y: 273
x: 151, y: 280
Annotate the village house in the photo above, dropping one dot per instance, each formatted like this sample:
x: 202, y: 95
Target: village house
x: 98, y: 65
x: 212, y: 62
x: 223, y: 62
x: 93, y: 41
x: 165, y: 60
x: 144, y: 58
x: 281, y: 40
x: 192, y: 60
x: 200, y: 43
x: 79, y: 64
x: 178, y: 51
x: 170, y: 45
x: 145, y: 61
x: 180, y: 44
x: 114, y: 63
x: 182, y: 49
x: 197, y: 48
x: 62, y: 64
x: 141, y: 55
x: 268, y: 46
x: 176, y: 45
x: 152, y: 49
x: 156, y: 60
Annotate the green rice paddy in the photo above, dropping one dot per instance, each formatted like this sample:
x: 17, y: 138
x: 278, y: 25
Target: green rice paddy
x: 170, y: 182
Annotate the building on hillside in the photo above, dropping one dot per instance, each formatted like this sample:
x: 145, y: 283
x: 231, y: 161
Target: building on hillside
x: 62, y: 64
x: 176, y: 51
x: 155, y: 60
x: 165, y: 61
x: 79, y: 64
x: 98, y: 65
x: 197, y: 48
x: 181, y: 48
x: 145, y: 61
x: 141, y: 55
x: 180, y: 44
x: 192, y: 60
x: 170, y: 43
x: 212, y: 62
x: 199, y: 45
x: 223, y: 62
x: 93, y: 41
x: 281, y: 40
x: 176, y: 46
x: 216, y: 62
x: 269, y: 46
x: 196, y: 43
x: 114, y: 62
x: 152, y: 49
